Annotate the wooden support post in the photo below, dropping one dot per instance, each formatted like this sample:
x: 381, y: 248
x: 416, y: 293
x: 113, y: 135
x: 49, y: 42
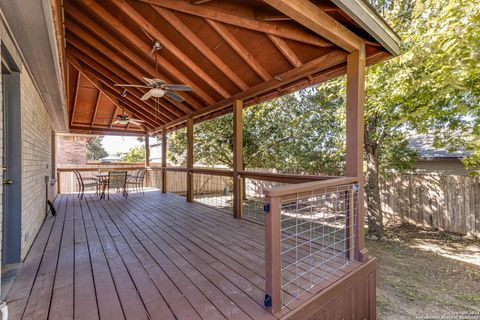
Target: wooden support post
x: 164, y: 160
x: 273, y: 281
x: 237, y: 159
x: 189, y: 159
x: 355, y: 132
x: 147, y: 158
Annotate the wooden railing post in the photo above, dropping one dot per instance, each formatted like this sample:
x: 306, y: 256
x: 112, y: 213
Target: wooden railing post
x: 237, y: 158
x: 355, y: 132
x: 189, y: 159
x: 147, y: 158
x: 58, y: 181
x: 273, y: 281
x: 164, y: 160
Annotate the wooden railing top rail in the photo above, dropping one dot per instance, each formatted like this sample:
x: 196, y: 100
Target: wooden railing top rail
x: 217, y: 172
x: 283, y: 177
x: 308, y: 186
x: 99, y: 169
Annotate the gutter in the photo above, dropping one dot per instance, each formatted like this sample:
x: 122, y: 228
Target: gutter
x: 4, y: 310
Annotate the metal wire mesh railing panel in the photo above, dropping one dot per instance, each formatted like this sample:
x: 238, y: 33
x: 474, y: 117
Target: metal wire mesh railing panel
x: 177, y: 182
x: 213, y: 190
x: 154, y: 178
x: 316, y: 237
x: 253, y: 198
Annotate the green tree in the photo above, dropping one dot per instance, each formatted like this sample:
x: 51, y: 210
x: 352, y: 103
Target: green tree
x: 95, y: 149
x: 135, y: 154
x: 300, y: 132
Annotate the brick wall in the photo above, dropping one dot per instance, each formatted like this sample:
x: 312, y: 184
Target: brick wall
x: 1, y: 171
x: 71, y: 150
x: 36, y: 158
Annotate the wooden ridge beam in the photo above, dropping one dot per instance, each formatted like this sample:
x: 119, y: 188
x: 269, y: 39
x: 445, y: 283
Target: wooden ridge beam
x: 312, y: 17
x: 286, y: 50
x: 77, y: 88
x: 111, y: 92
x: 110, y: 79
x: 327, y: 61
x: 211, y: 12
x: 107, y: 131
x: 110, y: 20
x: 233, y: 42
x: 155, y: 33
x: 96, y: 108
x: 79, y: 31
x: 201, y: 46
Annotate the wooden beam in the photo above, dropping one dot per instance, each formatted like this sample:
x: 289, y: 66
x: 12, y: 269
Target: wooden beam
x: 109, y: 91
x: 170, y: 46
x: 201, y: 46
x: 147, y: 150
x: 96, y: 108
x: 81, y: 31
x: 325, y: 62
x: 113, y: 131
x: 164, y: 160
x: 233, y: 42
x: 210, y: 11
x: 93, y: 68
x: 269, y: 15
x: 200, y: 1
x: 356, y: 62
x: 111, y: 21
x: 313, y: 18
x: 189, y: 159
x: 286, y: 51
x: 237, y: 159
x: 77, y: 88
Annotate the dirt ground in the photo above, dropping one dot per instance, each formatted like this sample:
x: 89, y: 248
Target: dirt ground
x: 426, y: 274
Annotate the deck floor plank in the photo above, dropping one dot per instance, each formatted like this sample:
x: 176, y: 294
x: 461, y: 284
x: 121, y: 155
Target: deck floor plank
x: 151, y: 256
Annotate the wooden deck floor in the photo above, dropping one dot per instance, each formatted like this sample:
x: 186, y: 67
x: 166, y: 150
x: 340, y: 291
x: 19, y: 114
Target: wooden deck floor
x: 153, y: 256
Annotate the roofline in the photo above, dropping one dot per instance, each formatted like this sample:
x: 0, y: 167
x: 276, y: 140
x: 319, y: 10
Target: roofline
x: 368, y: 18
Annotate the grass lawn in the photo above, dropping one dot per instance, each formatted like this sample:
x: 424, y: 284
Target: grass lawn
x: 426, y: 273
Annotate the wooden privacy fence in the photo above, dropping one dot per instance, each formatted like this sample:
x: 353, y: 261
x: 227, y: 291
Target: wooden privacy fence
x: 446, y: 202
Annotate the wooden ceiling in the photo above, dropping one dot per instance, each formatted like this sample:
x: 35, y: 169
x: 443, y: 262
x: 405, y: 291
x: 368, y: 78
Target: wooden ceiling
x: 225, y: 50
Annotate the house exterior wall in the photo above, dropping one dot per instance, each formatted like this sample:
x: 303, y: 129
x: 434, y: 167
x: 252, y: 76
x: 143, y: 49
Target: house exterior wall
x: 441, y: 166
x: 36, y: 160
x: 71, y: 150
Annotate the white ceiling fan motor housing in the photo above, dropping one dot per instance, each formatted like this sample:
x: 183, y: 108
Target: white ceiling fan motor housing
x: 157, y: 92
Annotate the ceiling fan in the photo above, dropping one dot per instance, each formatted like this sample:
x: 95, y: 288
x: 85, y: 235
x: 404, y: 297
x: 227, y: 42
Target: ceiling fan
x: 123, y: 119
x: 159, y: 88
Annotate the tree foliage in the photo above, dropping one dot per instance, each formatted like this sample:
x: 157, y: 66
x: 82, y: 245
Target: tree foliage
x: 135, y: 154
x: 95, y: 149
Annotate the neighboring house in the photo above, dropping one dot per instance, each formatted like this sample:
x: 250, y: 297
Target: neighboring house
x: 436, y: 159
x: 109, y: 159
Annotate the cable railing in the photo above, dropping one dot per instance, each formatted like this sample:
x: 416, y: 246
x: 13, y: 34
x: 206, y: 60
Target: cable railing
x: 213, y: 188
x: 310, y: 233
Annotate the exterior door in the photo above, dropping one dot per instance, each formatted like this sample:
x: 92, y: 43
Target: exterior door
x: 11, y: 167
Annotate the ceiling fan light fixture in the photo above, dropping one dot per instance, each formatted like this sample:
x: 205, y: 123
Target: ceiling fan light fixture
x: 157, y: 92
x: 122, y: 121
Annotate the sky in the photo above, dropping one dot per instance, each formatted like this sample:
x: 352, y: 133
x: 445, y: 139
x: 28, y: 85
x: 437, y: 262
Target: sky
x: 115, y: 144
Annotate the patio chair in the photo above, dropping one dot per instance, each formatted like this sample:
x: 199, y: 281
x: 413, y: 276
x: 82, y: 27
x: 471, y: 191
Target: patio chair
x: 86, y: 182
x: 117, y: 180
x: 136, y: 180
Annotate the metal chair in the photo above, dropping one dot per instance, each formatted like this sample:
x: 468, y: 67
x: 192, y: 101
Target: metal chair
x: 117, y: 180
x: 85, y: 183
x: 136, y: 180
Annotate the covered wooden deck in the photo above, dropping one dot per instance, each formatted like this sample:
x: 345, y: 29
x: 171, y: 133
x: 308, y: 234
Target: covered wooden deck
x: 153, y: 256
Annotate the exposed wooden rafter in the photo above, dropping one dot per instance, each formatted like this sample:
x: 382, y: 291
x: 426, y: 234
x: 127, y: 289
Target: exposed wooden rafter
x: 211, y: 12
x: 201, y: 46
x: 109, y: 19
x: 286, y: 50
x: 110, y: 92
x: 312, y: 17
x: 233, y: 42
x: 110, y: 79
x: 156, y: 34
x: 77, y: 88
x: 99, y: 97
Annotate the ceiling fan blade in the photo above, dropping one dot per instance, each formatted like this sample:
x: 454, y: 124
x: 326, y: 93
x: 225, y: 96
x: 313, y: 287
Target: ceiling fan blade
x: 150, y: 82
x: 131, y: 85
x: 116, y: 122
x: 137, y: 120
x: 178, y: 87
x: 132, y: 121
x: 147, y: 95
x: 174, y: 96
